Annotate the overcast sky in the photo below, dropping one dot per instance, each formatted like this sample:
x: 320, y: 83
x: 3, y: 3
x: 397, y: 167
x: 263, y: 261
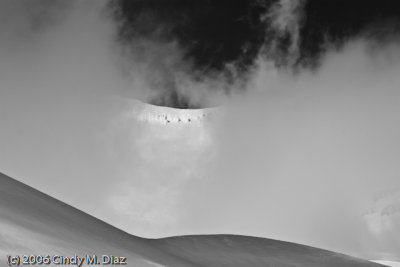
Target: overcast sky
x: 306, y: 153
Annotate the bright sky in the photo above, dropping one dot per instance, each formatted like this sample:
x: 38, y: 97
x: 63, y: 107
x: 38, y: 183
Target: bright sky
x: 310, y: 159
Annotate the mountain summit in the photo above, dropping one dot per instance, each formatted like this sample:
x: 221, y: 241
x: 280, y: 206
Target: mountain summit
x: 32, y: 222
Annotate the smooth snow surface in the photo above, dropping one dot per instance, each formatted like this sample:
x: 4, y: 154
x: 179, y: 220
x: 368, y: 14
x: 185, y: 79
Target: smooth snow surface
x: 34, y: 223
x: 389, y: 263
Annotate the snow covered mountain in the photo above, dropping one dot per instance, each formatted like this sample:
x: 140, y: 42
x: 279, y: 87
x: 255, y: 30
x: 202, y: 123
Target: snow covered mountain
x: 32, y: 222
x: 389, y: 263
x: 164, y: 115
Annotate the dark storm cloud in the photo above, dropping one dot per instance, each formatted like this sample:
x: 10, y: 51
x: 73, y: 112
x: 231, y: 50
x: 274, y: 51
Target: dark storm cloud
x: 330, y: 24
x: 212, y: 33
x: 213, y: 39
x: 225, y: 38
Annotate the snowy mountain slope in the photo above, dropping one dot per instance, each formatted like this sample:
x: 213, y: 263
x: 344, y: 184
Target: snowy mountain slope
x: 164, y: 115
x: 32, y: 222
x: 389, y: 263
x: 231, y: 250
